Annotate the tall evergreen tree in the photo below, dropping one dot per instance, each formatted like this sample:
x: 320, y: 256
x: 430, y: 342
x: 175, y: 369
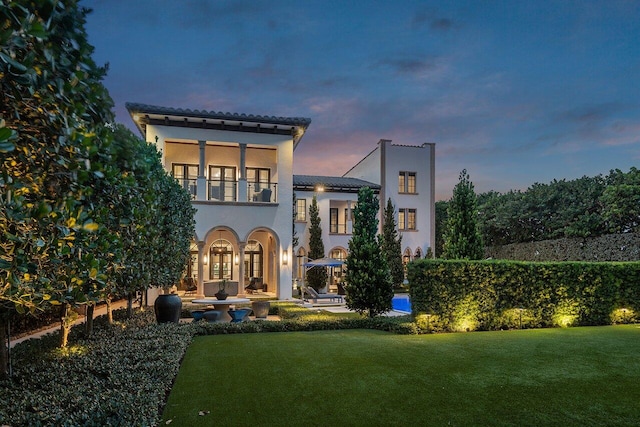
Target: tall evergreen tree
x: 369, y: 288
x: 392, y: 245
x: 316, y: 276
x: 462, y: 237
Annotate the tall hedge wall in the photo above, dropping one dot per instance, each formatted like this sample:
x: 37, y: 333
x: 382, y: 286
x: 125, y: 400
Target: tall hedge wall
x: 456, y: 295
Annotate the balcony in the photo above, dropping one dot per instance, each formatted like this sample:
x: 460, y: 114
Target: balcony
x: 227, y: 191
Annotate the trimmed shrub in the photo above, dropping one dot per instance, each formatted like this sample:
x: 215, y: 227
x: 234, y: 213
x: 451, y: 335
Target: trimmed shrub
x: 490, y: 295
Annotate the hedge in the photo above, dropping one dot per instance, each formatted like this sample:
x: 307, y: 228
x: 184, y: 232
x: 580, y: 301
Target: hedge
x: 460, y: 295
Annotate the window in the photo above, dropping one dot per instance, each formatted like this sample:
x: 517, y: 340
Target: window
x: 301, y: 209
x: 333, y: 220
x: 220, y: 260
x: 259, y: 181
x: 222, y: 183
x: 253, y: 259
x: 187, y: 176
x: 406, y: 219
x: 407, y: 182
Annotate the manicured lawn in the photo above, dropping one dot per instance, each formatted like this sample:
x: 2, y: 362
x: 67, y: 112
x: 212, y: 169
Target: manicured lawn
x: 561, y: 377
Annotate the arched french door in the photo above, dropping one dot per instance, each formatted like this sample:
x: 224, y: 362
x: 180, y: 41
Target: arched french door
x: 337, y: 273
x: 221, y: 260
x: 253, y: 260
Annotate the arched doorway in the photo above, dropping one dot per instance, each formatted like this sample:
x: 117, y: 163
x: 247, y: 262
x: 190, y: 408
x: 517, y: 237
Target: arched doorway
x: 221, y: 260
x: 253, y: 260
x: 337, y: 273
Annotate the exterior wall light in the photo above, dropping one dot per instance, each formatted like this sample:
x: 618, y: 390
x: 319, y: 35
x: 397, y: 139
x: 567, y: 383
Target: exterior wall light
x: 285, y: 257
x: 236, y: 259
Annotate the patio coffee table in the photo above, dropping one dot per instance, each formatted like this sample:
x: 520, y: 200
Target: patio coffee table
x: 221, y: 305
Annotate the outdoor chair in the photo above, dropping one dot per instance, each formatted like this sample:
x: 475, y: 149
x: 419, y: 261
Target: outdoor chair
x: 313, y: 295
x: 190, y: 286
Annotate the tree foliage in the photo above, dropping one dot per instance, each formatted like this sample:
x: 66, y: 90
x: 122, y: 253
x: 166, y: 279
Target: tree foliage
x: 316, y: 276
x: 369, y: 287
x: 584, y: 207
x: 462, y: 239
x: 77, y: 195
x: 392, y: 245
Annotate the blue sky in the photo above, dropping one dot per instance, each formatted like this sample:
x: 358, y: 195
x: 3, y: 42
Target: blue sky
x: 516, y: 92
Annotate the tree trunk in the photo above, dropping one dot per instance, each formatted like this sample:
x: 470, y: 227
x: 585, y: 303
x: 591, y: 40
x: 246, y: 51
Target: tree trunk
x: 4, y: 350
x: 88, y: 325
x: 64, y: 325
x: 109, y: 311
x: 130, y: 305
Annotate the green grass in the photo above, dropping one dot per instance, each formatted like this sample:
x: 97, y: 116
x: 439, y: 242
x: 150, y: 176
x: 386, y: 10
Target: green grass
x: 561, y: 377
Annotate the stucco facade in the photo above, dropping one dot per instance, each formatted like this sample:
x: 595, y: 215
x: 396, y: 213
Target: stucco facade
x: 239, y: 170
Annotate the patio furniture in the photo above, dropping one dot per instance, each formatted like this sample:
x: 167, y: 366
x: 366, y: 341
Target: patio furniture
x: 254, y: 285
x: 316, y: 296
x: 238, y: 316
x: 221, y: 305
x: 190, y: 286
x: 212, y: 315
x: 197, y: 314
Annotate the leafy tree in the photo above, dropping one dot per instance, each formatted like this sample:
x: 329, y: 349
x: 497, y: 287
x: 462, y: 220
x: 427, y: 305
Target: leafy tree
x: 621, y: 201
x: 369, y: 287
x: 392, y: 245
x: 53, y: 105
x: 441, y: 225
x: 463, y: 239
x: 294, y: 239
x: 316, y: 276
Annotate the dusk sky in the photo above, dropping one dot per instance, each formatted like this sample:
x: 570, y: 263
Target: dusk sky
x: 516, y: 92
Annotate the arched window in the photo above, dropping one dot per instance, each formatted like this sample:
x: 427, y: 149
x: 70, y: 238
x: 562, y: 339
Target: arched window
x: 418, y: 253
x: 221, y: 260
x: 338, y: 272
x: 253, y: 259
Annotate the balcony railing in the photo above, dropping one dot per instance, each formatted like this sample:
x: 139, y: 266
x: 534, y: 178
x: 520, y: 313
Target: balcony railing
x: 263, y: 192
x: 191, y: 185
x: 227, y: 191
x: 222, y: 191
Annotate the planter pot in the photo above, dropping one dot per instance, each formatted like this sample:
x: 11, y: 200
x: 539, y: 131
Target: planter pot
x: 260, y: 309
x: 168, y: 308
x: 221, y: 295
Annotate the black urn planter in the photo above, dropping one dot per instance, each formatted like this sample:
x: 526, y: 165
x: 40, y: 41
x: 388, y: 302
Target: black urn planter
x: 168, y: 308
x: 221, y: 295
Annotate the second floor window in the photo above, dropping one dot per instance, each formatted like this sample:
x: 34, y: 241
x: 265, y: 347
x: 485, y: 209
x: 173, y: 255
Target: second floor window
x: 333, y: 220
x: 259, y: 180
x: 187, y: 176
x: 222, y: 183
x: 406, y: 219
x: 301, y: 209
x: 407, y: 182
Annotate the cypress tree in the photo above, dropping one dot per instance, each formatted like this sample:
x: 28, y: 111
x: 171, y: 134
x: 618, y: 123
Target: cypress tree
x: 369, y: 288
x: 316, y: 276
x: 392, y: 245
x: 462, y: 238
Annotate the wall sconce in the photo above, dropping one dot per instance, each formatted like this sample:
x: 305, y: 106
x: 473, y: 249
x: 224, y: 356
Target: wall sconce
x: 285, y: 257
x: 236, y: 259
x: 205, y: 259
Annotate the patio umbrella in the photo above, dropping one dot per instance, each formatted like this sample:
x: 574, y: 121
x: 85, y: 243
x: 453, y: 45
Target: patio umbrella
x: 324, y: 262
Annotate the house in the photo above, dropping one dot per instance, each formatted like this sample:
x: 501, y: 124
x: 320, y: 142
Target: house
x: 239, y: 171
x: 403, y: 173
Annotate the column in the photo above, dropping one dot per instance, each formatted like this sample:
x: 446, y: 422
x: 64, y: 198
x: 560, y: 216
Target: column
x: 241, y: 283
x: 202, y: 180
x: 349, y: 221
x: 242, y: 179
x: 201, y: 252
